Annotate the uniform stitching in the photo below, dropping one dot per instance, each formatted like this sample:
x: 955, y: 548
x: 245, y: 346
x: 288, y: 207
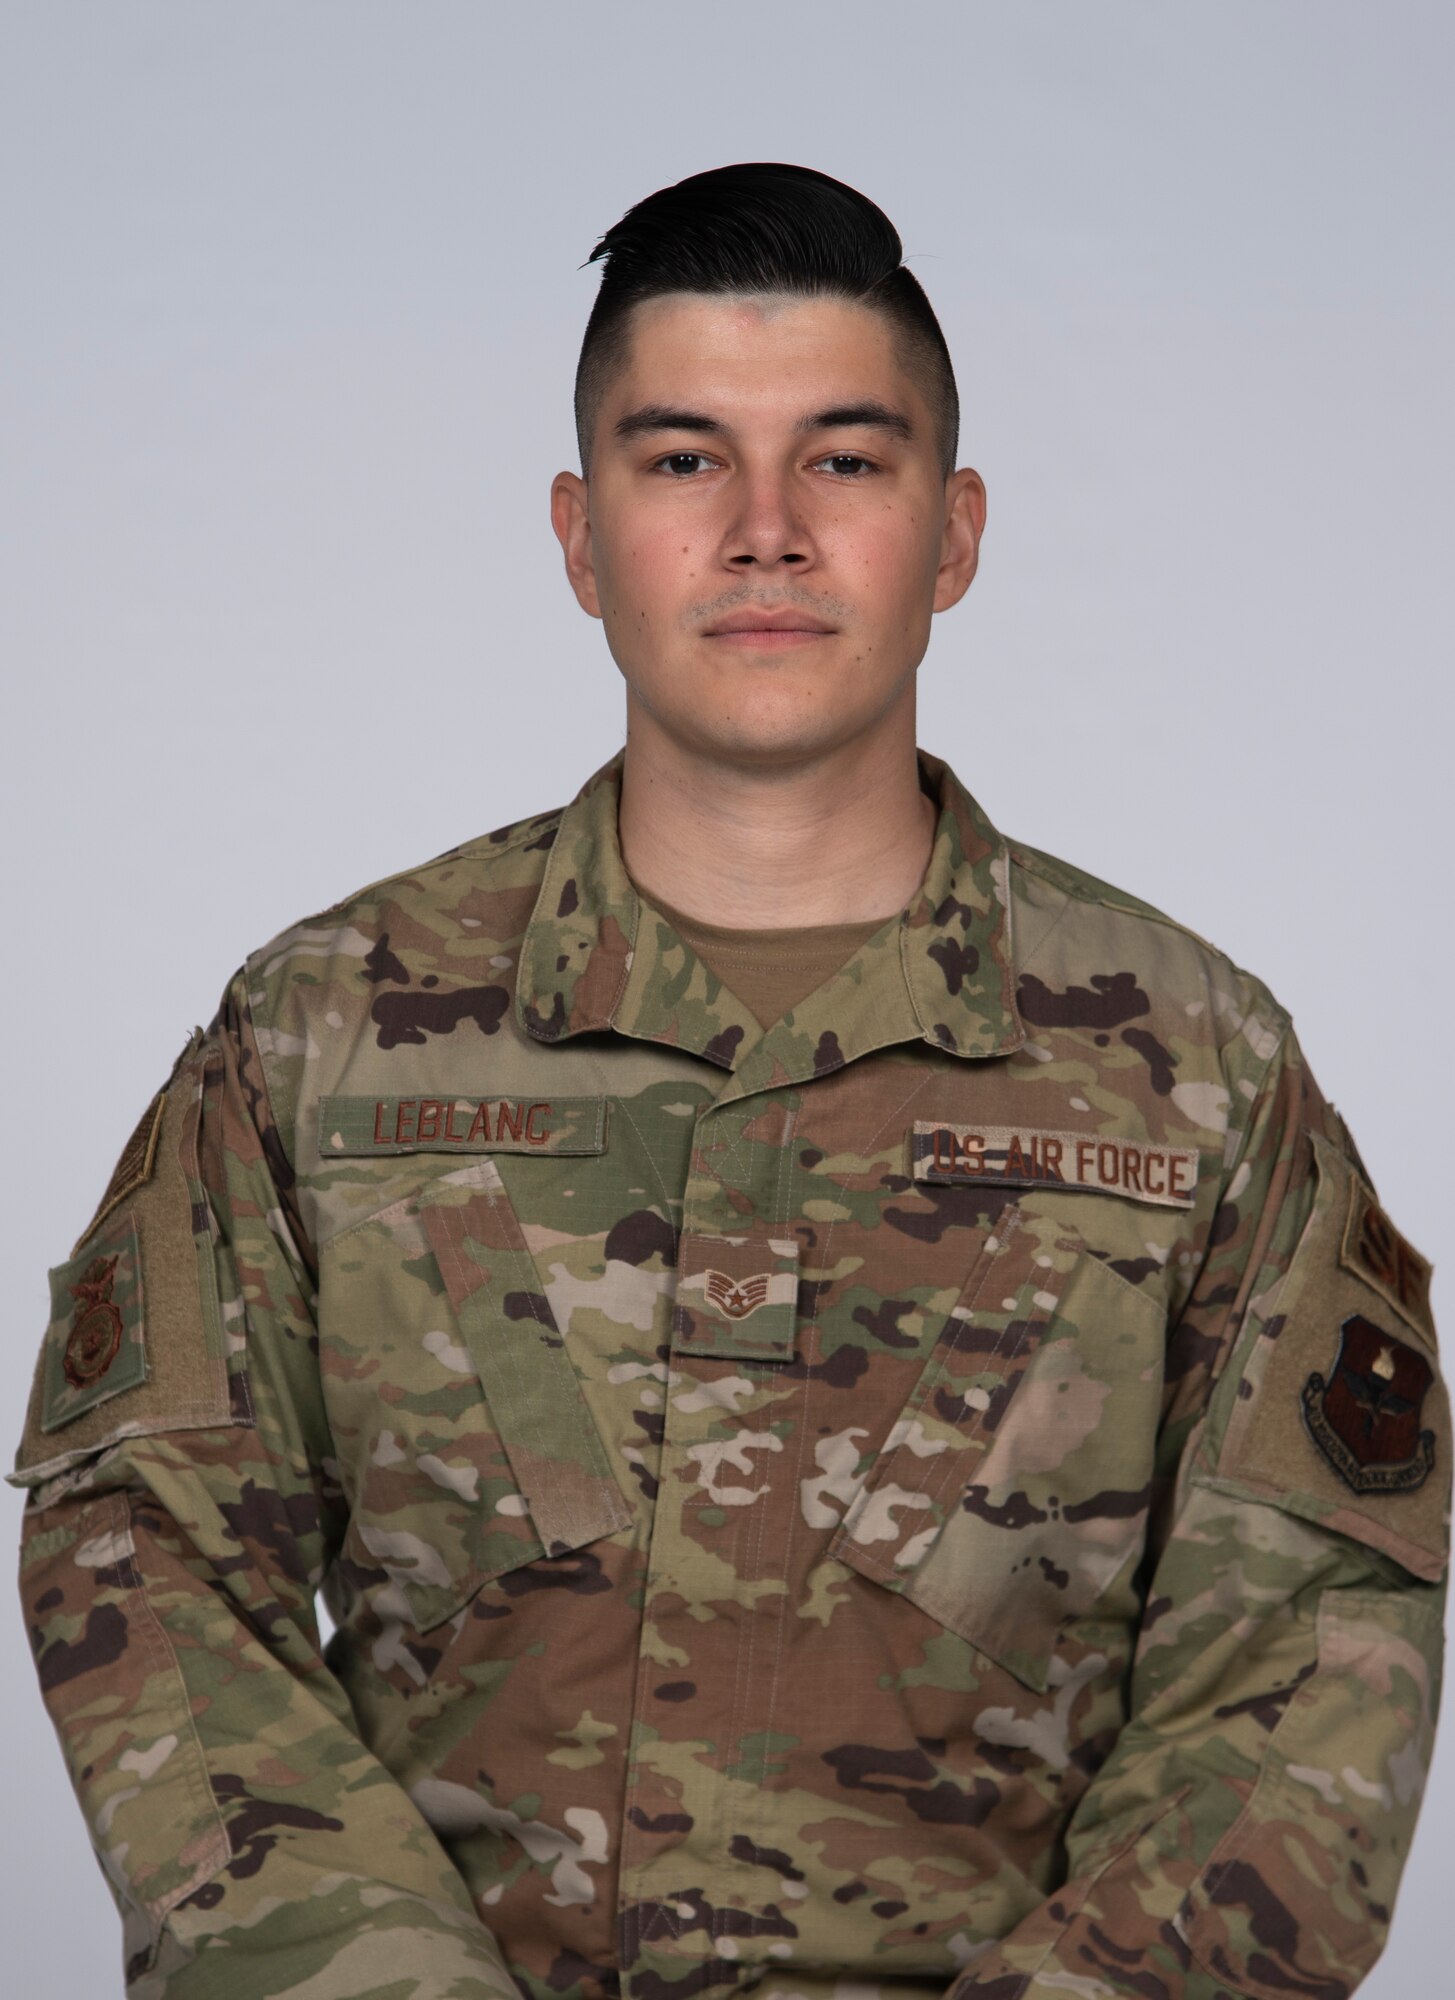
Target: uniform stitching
x: 1005, y: 1229
x: 577, y: 1526
x: 804, y: 1430
x: 575, y: 1402
x: 623, y: 1106
x: 891, y: 1118
x: 452, y: 1227
x: 760, y: 1526
x: 453, y: 1268
x: 199, y: 1783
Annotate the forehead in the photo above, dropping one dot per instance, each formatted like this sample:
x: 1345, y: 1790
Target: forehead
x: 769, y: 351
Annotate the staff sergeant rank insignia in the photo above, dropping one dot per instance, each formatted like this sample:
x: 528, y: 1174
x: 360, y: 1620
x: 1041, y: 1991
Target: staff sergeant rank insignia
x: 1366, y: 1418
x: 738, y: 1300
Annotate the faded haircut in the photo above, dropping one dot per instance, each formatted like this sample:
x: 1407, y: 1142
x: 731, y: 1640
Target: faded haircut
x: 761, y: 227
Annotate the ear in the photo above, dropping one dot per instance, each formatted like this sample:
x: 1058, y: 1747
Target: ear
x: 960, y: 543
x: 571, y: 519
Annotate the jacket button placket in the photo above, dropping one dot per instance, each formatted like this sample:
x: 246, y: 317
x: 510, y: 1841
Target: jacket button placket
x: 712, y: 1569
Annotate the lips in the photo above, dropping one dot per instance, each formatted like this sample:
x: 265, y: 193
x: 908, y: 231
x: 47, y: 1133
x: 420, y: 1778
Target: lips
x: 769, y: 628
x: 768, y: 623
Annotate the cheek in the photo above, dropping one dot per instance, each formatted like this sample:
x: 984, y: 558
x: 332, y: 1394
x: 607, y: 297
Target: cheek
x: 894, y: 562
x: 653, y: 571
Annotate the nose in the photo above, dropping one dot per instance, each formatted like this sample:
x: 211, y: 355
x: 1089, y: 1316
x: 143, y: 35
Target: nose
x: 766, y: 527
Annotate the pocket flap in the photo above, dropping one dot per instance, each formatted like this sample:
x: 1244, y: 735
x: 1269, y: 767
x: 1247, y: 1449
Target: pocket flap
x: 1012, y: 1491
x: 949, y: 1424
x: 471, y: 1448
x: 530, y: 1382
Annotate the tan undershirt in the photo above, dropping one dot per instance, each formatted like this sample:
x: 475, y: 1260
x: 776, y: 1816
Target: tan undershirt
x: 770, y: 970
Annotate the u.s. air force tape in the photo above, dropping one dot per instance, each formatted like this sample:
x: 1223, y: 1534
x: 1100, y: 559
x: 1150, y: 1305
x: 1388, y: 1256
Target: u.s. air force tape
x: 1019, y: 1156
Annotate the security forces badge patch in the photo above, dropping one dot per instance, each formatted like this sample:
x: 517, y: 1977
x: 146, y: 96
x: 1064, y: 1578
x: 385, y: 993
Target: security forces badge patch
x: 1366, y: 1418
x: 94, y: 1339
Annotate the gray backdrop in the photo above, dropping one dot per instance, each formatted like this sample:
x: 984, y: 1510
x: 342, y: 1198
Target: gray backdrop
x: 291, y: 305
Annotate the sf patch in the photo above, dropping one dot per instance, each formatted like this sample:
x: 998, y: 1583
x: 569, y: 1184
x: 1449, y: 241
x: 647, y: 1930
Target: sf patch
x: 1366, y: 1418
x: 1374, y: 1250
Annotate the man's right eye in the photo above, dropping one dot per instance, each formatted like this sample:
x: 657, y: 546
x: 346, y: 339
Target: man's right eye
x: 681, y: 464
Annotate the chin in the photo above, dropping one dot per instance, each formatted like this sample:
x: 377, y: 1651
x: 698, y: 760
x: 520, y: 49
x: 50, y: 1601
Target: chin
x: 777, y: 739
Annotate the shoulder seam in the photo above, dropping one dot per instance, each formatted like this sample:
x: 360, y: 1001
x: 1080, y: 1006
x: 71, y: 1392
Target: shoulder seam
x: 482, y: 848
x: 1112, y: 898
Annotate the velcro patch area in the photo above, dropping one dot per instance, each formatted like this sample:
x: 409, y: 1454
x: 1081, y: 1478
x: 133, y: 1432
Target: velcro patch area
x: 365, y: 1125
x: 1342, y: 1414
x: 135, y: 1342
x: 1028, y: 1157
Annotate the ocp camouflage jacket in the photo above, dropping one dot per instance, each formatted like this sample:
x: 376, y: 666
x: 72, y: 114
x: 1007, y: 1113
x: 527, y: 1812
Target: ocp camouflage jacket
x: 946, y: 1495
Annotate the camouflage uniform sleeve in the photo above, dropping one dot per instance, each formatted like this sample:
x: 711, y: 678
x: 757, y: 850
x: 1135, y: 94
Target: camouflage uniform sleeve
x: 179, y: 1520
x: 1246, y: 1833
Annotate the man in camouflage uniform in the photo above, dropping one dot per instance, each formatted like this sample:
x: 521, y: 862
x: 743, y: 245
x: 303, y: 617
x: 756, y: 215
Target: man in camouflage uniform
x: 889, y: 1451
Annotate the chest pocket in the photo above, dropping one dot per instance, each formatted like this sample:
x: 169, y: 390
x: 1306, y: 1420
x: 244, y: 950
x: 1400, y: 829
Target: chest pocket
x: 1011, y: 1495
x: 467, y: 1443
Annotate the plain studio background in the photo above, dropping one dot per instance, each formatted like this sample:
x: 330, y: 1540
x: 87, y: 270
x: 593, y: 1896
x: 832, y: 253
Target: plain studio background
x: 291, y: 308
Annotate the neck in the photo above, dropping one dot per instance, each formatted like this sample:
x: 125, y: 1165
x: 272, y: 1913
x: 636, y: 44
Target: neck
x: 837, y: 838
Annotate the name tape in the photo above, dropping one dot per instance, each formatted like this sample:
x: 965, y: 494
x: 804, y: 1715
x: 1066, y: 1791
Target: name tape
x: 1018, y: 1156
x: 368, y: 1125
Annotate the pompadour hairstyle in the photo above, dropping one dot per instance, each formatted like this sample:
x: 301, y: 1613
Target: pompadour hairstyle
x: 761, y: 227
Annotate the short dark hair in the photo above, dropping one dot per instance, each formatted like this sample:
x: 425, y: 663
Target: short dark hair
x: 761, y: 227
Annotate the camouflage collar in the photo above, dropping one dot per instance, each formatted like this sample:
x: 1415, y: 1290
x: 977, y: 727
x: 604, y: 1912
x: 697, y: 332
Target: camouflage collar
x: 595, y: 957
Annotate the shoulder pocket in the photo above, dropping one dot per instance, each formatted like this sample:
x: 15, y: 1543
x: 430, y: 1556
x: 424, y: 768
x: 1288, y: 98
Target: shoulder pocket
x: 1341, y: 1415
x: 1011, y: 1494
x: 136, y: 1342
x: 468, y: 1445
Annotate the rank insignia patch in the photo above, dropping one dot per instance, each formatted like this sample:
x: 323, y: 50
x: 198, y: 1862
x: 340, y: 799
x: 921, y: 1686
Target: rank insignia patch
x: 737, y: 1296
x: 737, y: 1299
x: 1365, y: 1418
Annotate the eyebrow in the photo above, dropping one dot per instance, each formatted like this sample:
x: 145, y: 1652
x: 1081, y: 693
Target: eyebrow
x: 652, y: 417
x: 860, y: 416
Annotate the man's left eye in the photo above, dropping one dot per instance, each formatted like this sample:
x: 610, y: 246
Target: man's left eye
x: 847, y: 464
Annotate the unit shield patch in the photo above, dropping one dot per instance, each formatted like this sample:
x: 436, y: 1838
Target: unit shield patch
x: 1366, y: 1418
